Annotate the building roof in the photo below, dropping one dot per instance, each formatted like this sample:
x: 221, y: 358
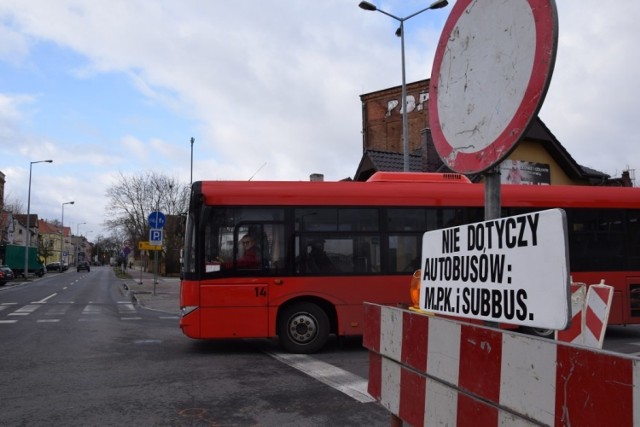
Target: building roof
x: 374, y: 160
x: 48, y: 228
x: 22, y: 219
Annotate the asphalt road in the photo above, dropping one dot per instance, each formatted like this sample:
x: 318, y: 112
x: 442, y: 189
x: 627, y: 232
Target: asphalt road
x: 76, y: 351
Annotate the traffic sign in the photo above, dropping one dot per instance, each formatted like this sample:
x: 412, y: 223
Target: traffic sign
x: 491, y: 72
x: 157, y: 219
x: 146, y: 246
x: 155, y: 236
x: 492, y: 270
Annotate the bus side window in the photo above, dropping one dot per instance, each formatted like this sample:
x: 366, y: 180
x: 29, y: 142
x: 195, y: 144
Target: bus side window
x: 277, y: 249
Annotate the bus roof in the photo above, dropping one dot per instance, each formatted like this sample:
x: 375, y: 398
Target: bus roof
x: 419, y: 192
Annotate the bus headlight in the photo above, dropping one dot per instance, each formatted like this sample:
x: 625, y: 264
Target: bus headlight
x: 187, y: 310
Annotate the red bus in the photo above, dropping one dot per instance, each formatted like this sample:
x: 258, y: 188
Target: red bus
x: 323, y: 248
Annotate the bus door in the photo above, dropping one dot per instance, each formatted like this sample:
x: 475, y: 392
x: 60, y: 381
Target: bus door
x: 237, y: 304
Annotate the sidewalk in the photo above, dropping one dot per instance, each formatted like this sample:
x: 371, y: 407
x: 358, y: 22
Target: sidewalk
x: 162, y: 296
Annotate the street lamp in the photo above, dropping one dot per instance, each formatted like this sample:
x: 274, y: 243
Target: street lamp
x: 400, y: 33
x: 62, y: 234
x: 192, y: 141
x: 26, y: 242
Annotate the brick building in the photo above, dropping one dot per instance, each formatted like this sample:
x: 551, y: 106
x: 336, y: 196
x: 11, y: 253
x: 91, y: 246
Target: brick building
x: 538, y: 158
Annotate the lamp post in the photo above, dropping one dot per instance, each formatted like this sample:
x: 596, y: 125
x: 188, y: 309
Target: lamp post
x: 400, y: 33
x: 62, y: 235
x: 192, y: 141
x: 27, y: 242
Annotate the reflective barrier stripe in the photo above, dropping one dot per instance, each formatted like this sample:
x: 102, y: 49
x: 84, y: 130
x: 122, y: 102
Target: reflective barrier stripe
x: 434, y: 371
x: 596, y: 315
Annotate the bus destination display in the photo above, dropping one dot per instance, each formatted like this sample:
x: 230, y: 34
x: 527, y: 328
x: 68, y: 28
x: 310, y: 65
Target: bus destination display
x: 511, y: 270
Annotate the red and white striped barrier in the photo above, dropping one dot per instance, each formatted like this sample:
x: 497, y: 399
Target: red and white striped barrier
x: 573, y: 333
x: 596, y: 314
x: 435, y: 371
x: 590, y: 315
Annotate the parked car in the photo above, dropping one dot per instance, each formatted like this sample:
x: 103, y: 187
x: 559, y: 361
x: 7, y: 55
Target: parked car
x: 83, y: 265
x: 53, y: 266
x: 6, y: 274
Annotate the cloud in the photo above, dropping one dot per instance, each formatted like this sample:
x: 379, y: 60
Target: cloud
x: 269, y: 90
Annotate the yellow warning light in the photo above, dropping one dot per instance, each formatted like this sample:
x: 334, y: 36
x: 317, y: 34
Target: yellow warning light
x: 414, y: 288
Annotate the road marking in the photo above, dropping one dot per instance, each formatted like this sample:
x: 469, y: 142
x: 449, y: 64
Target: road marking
x: 44, y: 300
x: 47, y: 320
x: 9, y: 303
x: 169, y: 317
x: 25, y: 311
x: 92, y: 309
x: 131, y: 318
x: 348, y: 383
x: 126, y: 308
x: 7, y: 321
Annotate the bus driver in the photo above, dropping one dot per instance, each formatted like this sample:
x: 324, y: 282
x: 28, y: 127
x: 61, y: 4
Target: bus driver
x: 250, y: 257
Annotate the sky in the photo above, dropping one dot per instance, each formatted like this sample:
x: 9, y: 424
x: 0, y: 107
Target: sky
x: 269, y: 90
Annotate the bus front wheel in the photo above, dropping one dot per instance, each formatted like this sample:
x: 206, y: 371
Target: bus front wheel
x: 303, y: 328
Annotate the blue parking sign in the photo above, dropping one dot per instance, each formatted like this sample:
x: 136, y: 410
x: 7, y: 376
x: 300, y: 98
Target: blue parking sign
x: 155, y: 236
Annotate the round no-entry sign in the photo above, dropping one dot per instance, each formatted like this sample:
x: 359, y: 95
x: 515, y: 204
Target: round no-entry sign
x: 492, y: 69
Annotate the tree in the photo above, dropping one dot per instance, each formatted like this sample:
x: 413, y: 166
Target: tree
x: 133, y: 198
x: 14, y: 205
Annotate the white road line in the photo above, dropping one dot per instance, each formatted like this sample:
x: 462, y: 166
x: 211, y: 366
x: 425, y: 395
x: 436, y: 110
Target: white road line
x: 131, y: 318
x: 47, y: 320
x: 92, y: 309
x: 9, y: 303
x: 169, y: 317
x: 350, y: 384
x: 25, y: 311
x: 7, y: 321
x: 126, y: 308
x: 42, y: 301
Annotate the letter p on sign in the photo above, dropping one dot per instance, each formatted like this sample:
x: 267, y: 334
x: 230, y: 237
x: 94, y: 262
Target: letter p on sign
x: 155, y: 236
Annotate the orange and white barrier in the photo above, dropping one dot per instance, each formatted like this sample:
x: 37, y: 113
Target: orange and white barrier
x: 433, y: 371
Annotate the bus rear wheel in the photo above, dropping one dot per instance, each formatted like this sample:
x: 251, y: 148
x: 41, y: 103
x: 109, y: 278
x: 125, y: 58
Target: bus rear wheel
x: 303, y: 328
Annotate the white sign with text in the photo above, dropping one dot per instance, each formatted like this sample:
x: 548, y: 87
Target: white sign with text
x: 510, y: 270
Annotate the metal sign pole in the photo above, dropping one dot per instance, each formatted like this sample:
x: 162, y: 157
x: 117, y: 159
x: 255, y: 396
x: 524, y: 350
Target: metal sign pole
x: 492, y: 204
x: 155, y: 260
